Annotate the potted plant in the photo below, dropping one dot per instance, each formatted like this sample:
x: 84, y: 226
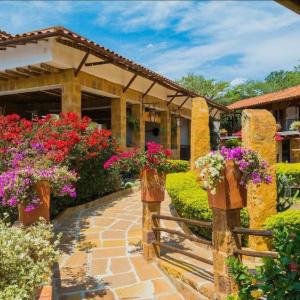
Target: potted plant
x: 133, y: 123
x: 295, y: 126
x: 152, y: 165
x: 226, y: 173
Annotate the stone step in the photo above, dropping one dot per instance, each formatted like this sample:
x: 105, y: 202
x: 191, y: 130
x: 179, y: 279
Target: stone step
x: 192, y: 278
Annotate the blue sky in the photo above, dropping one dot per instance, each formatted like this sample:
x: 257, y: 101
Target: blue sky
x: 224, y: 40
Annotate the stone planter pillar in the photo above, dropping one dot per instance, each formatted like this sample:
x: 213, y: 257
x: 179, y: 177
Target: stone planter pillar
x: 223, y: 246
x: 27, y: 218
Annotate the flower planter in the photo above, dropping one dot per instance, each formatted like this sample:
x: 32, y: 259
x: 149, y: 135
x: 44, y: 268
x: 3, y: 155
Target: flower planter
x: 27, y: 218
x: 152, y: 186
x: 230, y: 194
x: 45, y: 293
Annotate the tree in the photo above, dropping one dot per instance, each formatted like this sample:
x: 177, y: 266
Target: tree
x: 208, y: 88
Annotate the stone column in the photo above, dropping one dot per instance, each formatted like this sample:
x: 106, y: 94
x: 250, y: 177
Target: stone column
x: 71, y: 97
x: 118, y: 119
x: 258, y: 131
x: 223, y: 245
x: 138, y: 136
x: 150, y: 251
x: 165, y: 129
x: 200, y: 138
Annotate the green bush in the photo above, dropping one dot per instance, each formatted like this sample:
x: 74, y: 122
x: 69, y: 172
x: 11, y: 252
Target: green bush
x: 288, y: 219
x: 232, y: 143
x: 180, y: 165
x: 289, y: 169
x: 26, y: 255
x: 191, y: 201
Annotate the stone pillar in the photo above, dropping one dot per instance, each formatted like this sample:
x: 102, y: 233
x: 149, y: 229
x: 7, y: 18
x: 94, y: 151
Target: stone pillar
x: 258, y: 131
x: 71, y: 97
x: 165, y: 129
x: 138, y: 136
x: 150, y: 251
x: 224, y: 243
x: 118, y: 119
x: 200, y: 138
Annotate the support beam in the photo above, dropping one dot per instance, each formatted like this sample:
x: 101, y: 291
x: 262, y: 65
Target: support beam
x: 81, y: 63
x: 98, y: 63
x: 50, y: 68
x: 14, y: 73
x: 175, y: 95
x: 130, y: 82
x: 28, y: 72
x: 149, y: 89
x: 171, y: 100
x: 187, y: 98
x: 38, y: 70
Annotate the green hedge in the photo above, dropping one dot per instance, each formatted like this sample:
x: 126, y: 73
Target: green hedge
x: 289, y: 218
x: 190, y: 200
x: 289, y: 169
x: 180, y: 165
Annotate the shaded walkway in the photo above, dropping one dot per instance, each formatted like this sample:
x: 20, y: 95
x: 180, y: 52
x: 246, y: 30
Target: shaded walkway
x: 102, y: 255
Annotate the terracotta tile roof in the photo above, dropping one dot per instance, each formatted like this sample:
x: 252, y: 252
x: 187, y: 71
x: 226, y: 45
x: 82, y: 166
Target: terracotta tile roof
x: 86, y: 44
x: 4, y: 34
x: 289, y: 94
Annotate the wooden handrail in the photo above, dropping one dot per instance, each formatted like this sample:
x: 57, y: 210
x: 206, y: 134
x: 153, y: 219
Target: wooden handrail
x: 270, y: 254
x: 187, y: 236
x: 248, y: 231
x: 184, y: 220
x: 174, y: 249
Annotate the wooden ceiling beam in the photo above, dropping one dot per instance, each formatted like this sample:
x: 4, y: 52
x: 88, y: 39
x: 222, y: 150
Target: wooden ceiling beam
x: 176, y: 95
x: 8, y: 76
x: 85, y: 57
x: 38, y: 70
x: 50, y: 68
x: 129, y: 83
x: 14, y: 73
x: 187, y: 98
x: 51, y: 93
x: 149, y: 89
x: 98, y: 63
x: 3, y: 78
x: 171, y: 100
x: 26, y: 71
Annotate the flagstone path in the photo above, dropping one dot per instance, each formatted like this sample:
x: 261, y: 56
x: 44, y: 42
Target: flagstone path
x: 102, y: 255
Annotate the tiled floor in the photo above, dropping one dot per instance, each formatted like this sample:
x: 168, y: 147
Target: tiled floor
x: 102, y: 256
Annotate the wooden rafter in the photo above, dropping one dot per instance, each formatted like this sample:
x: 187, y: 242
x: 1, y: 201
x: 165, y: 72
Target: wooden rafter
x: 186, y: 99
x: 3, y: 78
x: 14, y: 73
x: 149, y: 89
x: 50, y: 68
x: 171, y: 100
x: 98, y: 63
x: 51, y: 93
x: 85, y: 57
x: 38, y: 70
x: 8, y: 76
x: 26, y: 71
x: 176, y: 95
x: 130, y: 82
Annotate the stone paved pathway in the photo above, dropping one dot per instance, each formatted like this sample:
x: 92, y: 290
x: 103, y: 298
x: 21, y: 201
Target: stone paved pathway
x: 102, y: 256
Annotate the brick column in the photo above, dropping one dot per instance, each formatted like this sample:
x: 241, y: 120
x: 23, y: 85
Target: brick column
x: 118, y: 119
x: 71, y: 97
x: 138, y: 137
x: 259, y: 129
x: 223, y: 245
x: 165, y: 128
x: 200, y: 138
x: 149, y: 250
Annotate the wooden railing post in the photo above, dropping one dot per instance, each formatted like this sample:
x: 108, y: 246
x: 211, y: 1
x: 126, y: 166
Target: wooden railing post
x: 150, y: 251
x: 224, y: 242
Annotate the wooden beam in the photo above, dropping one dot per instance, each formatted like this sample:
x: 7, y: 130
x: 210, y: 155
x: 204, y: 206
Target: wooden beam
x: 28, y: 72
x: 171, y: 100
x: 187, y: 98
x: 96, y: 108
x: 85, y: 57
x: 51, y: 93
x: 149, y: 89
x: 176, y: 95
x: 5, y: 75
x: 50, y: 68
x: 98, y: 63
x: 130, y: 82
x: 3, y: 78
x: 38, y: 70
x: 14, y: 73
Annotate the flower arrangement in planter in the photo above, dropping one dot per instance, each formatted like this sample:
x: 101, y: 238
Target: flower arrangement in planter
x: 226, y: 173
x: 295, y: 126
x: 152, y: 165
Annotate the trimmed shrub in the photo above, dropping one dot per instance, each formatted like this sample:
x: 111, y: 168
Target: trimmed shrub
x: 27, y: 256
x: 191, y: 201
x: 289, y: 169
x: 180, y: 165
x: 288, y: 219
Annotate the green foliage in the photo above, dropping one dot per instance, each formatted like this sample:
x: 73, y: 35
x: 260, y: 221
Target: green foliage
x: 276, y: 278
x: 209, y: 88
x: 288, y: 219
x: 133, y: 122
x: 233, y: 143
x: 26, y: 255
x: 179, y: 165
x: 288, y: 177
x: 295, y: 125
x: 191, y: 201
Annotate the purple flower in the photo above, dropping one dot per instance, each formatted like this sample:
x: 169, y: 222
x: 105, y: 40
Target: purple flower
x: 30, y: 207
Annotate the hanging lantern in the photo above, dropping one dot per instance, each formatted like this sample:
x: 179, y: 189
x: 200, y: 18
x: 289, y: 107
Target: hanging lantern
x: 152, y: 115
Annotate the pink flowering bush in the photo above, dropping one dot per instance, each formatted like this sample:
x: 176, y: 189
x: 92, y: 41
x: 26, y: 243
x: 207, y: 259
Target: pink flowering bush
x: 155, y: 158
x: 253, y: 168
